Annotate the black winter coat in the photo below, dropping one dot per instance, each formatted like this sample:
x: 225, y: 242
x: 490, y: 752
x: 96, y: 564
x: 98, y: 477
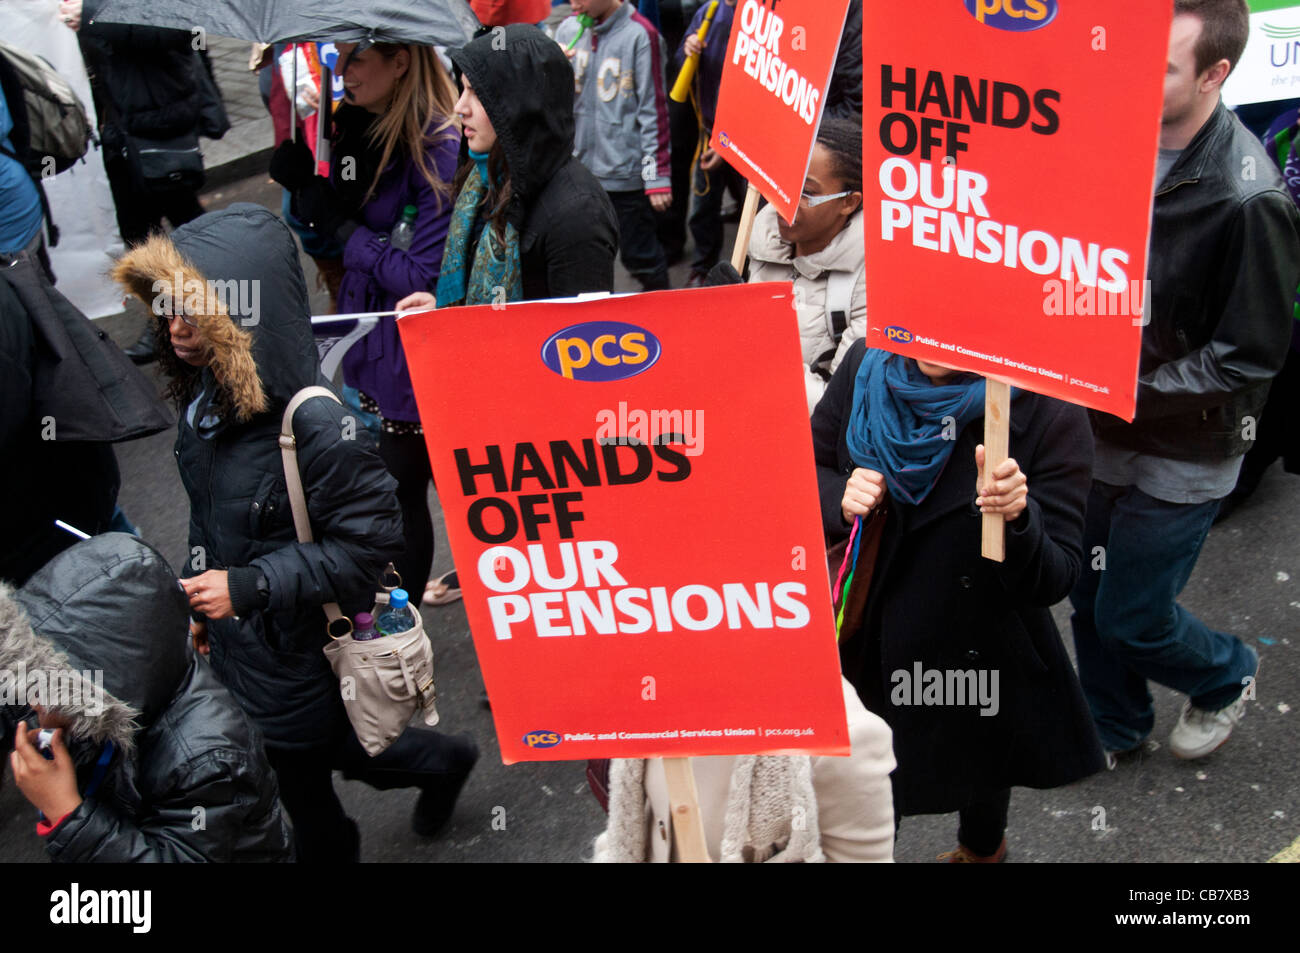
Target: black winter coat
x: 189, y: 780
x: 936, y: 601
x: 66, y: 392
x: 145, y: 75
x: 240, y: 520
x: 844, y: 94
x: 568, y: 233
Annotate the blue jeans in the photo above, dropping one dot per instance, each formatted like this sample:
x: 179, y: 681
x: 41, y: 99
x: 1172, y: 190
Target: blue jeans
x: 1128, y: 627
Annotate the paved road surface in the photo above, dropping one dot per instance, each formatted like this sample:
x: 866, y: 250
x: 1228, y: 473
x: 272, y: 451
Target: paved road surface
x: 1240, y: 804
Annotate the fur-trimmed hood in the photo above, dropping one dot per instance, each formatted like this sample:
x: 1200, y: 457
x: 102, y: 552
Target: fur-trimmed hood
x: 100, y: 634
x: 237, y: 269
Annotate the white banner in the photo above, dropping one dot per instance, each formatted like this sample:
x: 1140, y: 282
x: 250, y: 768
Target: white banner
x: 80, y: 201
x: 1270, y: 67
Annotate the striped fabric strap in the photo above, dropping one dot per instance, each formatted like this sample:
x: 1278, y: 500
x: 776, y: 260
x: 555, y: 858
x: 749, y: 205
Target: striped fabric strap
x: 851, y: 563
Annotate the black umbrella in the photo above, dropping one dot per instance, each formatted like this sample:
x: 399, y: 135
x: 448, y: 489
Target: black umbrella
x: 427, y: 22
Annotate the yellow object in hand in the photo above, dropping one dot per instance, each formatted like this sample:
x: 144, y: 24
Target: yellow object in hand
x: 682, y: 88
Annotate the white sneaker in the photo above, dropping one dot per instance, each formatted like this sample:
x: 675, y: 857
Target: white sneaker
x: 1199, y: 732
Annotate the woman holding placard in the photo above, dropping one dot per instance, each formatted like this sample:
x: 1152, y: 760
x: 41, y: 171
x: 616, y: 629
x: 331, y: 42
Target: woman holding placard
x: 821, y: 252
x: 957, y: 653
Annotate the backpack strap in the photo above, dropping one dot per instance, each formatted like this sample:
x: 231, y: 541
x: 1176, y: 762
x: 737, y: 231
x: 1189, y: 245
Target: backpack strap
x: 839, y: 302
x: 293, y: 480
x: 839, y: 305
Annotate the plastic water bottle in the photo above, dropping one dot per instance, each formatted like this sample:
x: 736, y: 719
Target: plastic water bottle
x: 404, y: 231
x: 397, y: 617
x: 363, y: 628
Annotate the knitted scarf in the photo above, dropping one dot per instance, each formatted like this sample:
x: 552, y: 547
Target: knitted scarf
x: 485, y: 271
x: 771, y: 813
x: 905, y: 426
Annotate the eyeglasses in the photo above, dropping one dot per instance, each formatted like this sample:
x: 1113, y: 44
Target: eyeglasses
x: 166, y: 314
x: 812, y: 201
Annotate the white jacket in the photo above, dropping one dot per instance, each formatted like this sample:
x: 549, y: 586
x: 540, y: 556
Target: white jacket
x: 773, y: 260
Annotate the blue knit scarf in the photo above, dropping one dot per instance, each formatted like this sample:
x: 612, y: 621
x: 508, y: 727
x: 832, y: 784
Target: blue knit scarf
x: 897, y: 426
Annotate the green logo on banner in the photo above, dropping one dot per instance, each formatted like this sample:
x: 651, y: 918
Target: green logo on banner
x: 1281, y: 32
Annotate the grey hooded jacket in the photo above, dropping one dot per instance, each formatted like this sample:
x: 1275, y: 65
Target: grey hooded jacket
x: 189, y: 780
x: 621, y: 104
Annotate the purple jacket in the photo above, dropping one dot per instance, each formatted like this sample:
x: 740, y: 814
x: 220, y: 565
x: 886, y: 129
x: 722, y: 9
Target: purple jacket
x: 378, y: 276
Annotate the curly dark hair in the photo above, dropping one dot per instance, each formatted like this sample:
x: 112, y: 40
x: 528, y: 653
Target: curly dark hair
x: 183, y: 379
x: 842, y: 138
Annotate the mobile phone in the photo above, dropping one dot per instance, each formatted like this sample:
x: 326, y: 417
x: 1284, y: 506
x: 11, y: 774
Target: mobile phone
x: 44, y: 737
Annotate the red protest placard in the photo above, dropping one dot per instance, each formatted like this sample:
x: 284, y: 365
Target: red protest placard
x: 773, y: 90
x: 634, y: 518
x: 1024, y: 259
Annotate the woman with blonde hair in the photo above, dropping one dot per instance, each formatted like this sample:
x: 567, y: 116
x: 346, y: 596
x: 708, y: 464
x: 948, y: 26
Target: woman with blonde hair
x: 393, y: 158
x: 530, y: 221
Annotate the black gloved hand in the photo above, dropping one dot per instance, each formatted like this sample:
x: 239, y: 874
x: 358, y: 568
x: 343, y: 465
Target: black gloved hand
x: 292, y: 165
x: 723, y: 273
x: 319, y: 206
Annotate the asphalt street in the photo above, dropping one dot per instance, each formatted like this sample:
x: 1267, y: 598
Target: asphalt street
x: 1240, y: 804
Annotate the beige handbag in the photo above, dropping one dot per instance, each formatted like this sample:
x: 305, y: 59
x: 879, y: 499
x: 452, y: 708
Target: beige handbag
x: 385, y: 680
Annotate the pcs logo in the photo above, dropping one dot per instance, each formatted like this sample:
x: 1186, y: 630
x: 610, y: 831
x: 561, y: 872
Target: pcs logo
x: 724, y: 140
x: 542, y: 739
x: 901, y: 335
x: 601, y: 351
x: 1017, y: 16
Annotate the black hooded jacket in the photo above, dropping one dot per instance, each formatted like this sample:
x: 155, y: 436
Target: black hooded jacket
x: 228, y: 452
x: 568, y: 233
x: 188, y: 780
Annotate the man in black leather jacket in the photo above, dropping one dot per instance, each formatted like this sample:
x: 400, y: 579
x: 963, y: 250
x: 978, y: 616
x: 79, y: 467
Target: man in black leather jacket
x: 1224, y: 265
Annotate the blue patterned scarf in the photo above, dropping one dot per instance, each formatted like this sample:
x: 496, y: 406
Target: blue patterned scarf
x: 482, y: 272
x: 897, y: 424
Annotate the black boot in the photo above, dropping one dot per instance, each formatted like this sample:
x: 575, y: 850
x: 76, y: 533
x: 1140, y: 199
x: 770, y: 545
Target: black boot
x: 142, y: 352
x: 437, y: 802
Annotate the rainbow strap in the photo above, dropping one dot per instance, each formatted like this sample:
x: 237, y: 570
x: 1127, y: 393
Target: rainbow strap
x: 850, y: 564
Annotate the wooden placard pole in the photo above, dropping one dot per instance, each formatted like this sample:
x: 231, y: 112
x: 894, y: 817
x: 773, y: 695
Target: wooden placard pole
x: 684, y: 804
x: 741, y: 251
x: 997, y: 444
x: 683, y: 799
